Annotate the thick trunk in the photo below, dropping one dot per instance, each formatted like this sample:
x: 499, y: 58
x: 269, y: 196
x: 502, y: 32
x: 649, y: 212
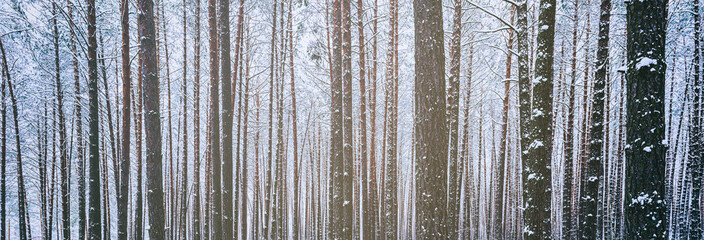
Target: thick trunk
x: 94, y: 206
x: 214, y: 151
x: 431, y: 133
x: 337, y: 163
x: 645, y: 154
x: 536, y: 140
x: 152, y: 122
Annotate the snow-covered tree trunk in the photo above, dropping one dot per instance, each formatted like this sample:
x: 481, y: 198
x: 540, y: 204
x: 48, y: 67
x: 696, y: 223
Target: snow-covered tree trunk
x: 124, y: 180
x: 645, y: 151
x: 594, y: 166
x: 431, y: 130
x: 536, y: 139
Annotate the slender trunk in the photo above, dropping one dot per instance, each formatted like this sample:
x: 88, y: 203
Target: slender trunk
x: 196, y: 231
x: 391, y: 173
x: 294, y: 119
x: 94, y: 206
x: 453, y: 203
x: 268, y: 216
x: 184, y: 181
x: 138, y: 128
x: 695, y: 134
x: 124, y: 180
x: 645, y: 158
x: 373, y: 196
x: 3, y: 148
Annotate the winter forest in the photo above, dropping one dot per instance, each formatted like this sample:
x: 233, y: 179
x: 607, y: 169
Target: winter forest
x: 351, y: 119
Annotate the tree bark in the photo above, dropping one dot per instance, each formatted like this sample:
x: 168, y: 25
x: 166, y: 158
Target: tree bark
x: 152, y: 122
x: 431, y: 133
x: 94, y: 206
x: 645, y: 154
x: 536, y: 142
x: 124, y: 181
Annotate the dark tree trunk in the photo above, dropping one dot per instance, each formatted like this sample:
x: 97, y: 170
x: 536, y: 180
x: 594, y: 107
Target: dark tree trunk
x: 152, y: 122
x: 138, y: 120
x: 431, y: 133
x: 645, y: 154
x: 695, y: 134
x: 124, y: 181
x: 536, y: 142
x: 594, y: 166
x: 94, y: 206
x: 3, y: 148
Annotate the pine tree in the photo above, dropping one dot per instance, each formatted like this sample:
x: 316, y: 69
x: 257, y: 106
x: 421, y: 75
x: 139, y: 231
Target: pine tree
x: 645, y: 210
x: 197, y: 163
x: 337, y: 169
x: 431, y: 130
x: 390, y: 214
x: 214, y: 151
x: 536, y: 136
x: 504, y: 152
x: 94, y: 206
x: 568, y: 218
x: 184, y: 97
x: 124, y: 180
x: 3, y: 147
x: 152, y: 122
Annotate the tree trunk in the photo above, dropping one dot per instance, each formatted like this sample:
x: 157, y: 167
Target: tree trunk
x: 94, y: 206
x: 3, y: 148
x: 184, y: 181
x: 645, y: 156
x: 391, y: 166
x: 268, y: 216
x: 594, y: 166
x: 373, y: 196
x: 453, y: 201
x: 214, y: 123
x: 124, y: 180
x: 152, y: 122
x: 695, y: 134
x: 196, y: 129
x: 431, y: 133
x: 336, y: 136
x: 536, y: 142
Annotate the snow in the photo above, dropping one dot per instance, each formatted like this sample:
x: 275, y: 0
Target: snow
x: 647, y: 149
x: 645, y: 62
